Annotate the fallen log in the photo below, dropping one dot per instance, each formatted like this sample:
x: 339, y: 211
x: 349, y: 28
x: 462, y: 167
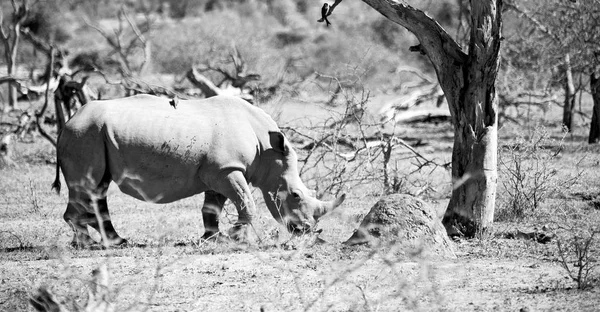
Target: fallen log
x: 200, y: 81
x: 417, y: 96
x: 209, y: 89
x: 24, y: 87
x: 416, y: 116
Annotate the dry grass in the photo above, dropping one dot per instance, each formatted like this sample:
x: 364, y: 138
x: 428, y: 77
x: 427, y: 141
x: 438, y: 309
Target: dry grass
x: 170, y: 268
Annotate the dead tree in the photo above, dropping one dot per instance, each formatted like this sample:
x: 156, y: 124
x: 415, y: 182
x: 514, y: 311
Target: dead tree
x: 468, y: 81
x: 125, y: 45
x: 26, y: 124
x: 238, y: 77
x: 571, y: 27
x: 69, y: 94
x: 595, y: 126
x: 10, y: 33
x: 233, y: 79
x: 570, y: 94
x: 265, y: 90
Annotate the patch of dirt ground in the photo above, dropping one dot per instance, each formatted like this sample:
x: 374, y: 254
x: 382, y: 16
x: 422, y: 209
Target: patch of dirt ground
x: 318, y: 278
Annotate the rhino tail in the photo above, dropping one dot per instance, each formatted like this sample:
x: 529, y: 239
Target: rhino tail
x: 56, y: 183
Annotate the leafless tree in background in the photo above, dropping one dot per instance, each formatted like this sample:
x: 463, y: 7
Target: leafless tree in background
x: 10, y: 33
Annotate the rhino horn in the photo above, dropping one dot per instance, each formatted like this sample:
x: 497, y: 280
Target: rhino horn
x: 327, y: 206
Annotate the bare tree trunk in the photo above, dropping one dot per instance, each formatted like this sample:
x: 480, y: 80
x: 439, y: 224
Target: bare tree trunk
x: 10, y: 40
x: 12, y: 90
x: 475, y: 118
x: 468, y: 82
x: 474, y: 170
x: 570, y: 95
x: 595, y: 126
x: 12, y: 66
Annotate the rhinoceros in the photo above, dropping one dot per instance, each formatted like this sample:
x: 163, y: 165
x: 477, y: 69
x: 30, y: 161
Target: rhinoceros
x: 161, y: 153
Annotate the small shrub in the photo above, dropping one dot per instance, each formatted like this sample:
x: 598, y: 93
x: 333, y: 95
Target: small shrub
x: 578, y: 256
x: 529, y: 178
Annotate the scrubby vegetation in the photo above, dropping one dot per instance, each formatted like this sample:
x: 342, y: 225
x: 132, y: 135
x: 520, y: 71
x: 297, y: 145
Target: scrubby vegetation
x: 342, y: 94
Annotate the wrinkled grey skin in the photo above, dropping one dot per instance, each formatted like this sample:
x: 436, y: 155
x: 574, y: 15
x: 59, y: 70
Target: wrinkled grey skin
x: 161, y: 154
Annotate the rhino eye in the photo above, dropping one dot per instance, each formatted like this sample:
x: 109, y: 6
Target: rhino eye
x: 296, y: 195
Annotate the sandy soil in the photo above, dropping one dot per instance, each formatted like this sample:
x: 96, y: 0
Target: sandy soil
x: 317, y: 278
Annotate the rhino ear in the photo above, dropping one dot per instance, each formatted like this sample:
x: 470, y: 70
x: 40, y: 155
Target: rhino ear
x: 277, y: 141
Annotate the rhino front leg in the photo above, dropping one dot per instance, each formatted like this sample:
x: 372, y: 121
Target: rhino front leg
x: 235, y: 187
x: 213, y: 205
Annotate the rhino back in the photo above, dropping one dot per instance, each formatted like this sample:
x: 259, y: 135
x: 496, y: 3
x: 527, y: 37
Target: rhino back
x: 170, y: 153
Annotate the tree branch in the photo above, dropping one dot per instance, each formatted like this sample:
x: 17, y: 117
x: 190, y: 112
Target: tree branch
x: 331, y: 7
x: 10, y: 79
x: 198, y: 80
x: 139, y: 35
x: 39, y: 114
x: 101, y: 31
x: 433, y: 38
x: 37, y: 42
x: 515, y: 7
x: 446, y: 56
x: 2, y: 30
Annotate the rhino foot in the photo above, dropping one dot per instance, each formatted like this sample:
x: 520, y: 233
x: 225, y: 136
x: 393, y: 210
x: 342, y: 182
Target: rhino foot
x: 93, y: 245
x: 87, y: 245
x: 82, y: 241
x: 213, y: 235
x: 218, y: 239
x: 239, y: 232
x: 119, y: 242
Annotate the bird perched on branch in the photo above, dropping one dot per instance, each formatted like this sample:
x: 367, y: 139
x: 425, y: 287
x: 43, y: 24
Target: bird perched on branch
x: 174, y: 102
x: 324, y: 13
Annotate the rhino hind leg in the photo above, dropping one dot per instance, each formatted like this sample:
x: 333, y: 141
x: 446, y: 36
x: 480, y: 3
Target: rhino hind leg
x: 74, y: 216
x: 81, y: 212
x: 110, y: 236
x: 88, y: 207
x: 234, y: 186
x: 211, y: 209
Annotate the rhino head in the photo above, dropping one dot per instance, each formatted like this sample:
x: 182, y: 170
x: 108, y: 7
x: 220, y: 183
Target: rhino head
x: 287, y: 198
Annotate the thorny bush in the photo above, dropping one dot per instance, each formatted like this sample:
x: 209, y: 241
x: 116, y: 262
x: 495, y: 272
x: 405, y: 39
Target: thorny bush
x: 530, y: 173
x: 579, y: 256
x: 348, y: 150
